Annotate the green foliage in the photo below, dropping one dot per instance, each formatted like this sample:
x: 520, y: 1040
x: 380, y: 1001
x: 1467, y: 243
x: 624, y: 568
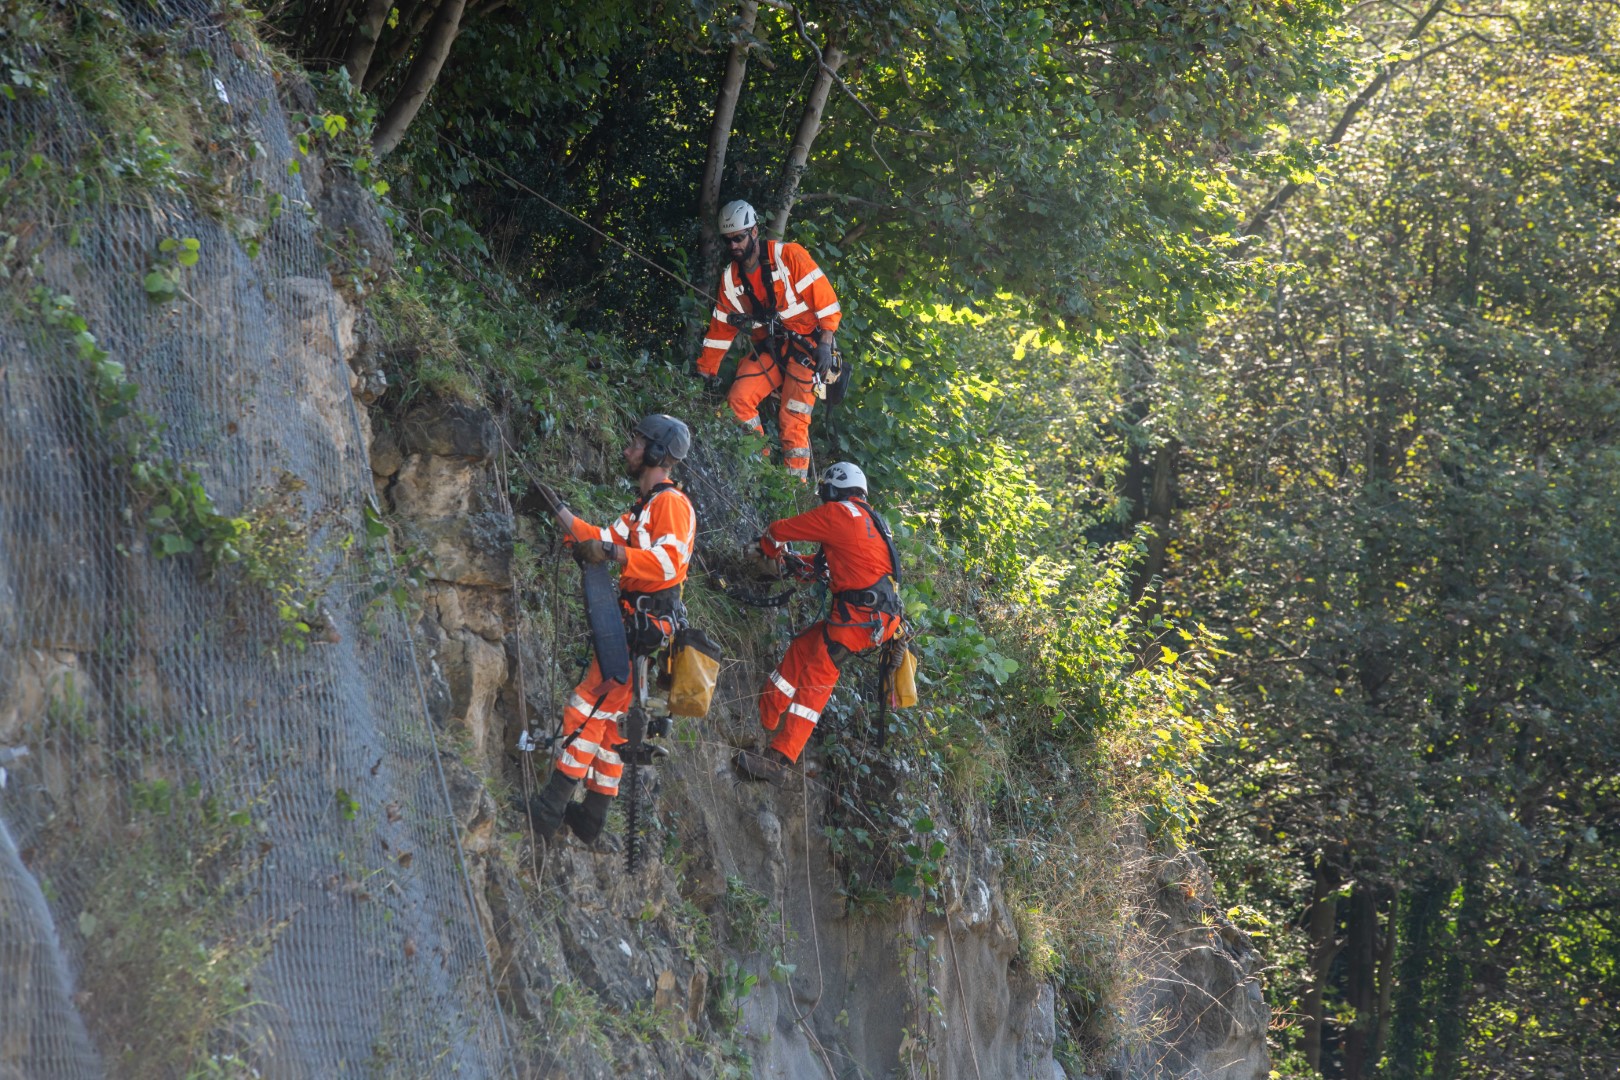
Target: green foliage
x: 165, y: 927
x: 162, y: 281
x: 1402, y: 522
x: 749, y: 916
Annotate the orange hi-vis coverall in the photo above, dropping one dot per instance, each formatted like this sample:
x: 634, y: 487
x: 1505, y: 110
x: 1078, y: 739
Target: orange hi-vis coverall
x: 858, y: 561
x: 657, y: 534
x: 803, y: 298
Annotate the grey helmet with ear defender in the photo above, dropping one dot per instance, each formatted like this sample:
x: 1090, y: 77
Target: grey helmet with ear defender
x: 668, y: 440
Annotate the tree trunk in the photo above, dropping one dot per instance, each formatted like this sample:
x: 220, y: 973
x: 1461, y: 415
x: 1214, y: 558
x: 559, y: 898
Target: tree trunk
x: 832, y: 58
x: 725, y: 112
x: 1361, y: 982
x: 1450, y: 1003
x: 1156, y: 507
x: 1421, y: 916
x: 414, y: 16
x: 1386, y: 985
x: 1321, y: 928
x: 424, y: 72
x: 364, y: 41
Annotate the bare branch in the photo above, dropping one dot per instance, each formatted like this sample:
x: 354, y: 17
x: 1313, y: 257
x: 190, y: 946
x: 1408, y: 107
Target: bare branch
x: 725, y: 111
x: 821, y: 61
x: 1270, y: 207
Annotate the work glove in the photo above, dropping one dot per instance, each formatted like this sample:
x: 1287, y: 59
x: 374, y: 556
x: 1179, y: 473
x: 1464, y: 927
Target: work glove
x: 799, y: 567
x: 824, y: 359
x: 549, y: 497
x: 591, y: 552
x: 764, y: 565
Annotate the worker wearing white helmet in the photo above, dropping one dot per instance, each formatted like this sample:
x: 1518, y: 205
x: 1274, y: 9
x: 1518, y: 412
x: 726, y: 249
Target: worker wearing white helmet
x: 858, y: 562
x: 777, y: 290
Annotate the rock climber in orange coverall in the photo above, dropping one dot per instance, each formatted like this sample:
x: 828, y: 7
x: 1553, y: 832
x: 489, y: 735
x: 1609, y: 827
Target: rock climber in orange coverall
x: 653, y: 544
x: 863, y: 573
x: 770, y: 277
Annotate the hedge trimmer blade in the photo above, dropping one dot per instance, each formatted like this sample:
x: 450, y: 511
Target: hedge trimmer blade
x: 632, y: 818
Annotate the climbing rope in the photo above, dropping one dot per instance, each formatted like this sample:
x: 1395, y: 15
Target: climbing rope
x: 525, y: 760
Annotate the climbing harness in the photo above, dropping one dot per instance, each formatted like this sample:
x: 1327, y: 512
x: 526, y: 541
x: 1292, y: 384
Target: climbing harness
x: 782, y: 343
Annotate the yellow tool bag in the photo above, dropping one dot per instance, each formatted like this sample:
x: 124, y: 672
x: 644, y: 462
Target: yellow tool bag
x: 694, y: 666
x: 899, y: 674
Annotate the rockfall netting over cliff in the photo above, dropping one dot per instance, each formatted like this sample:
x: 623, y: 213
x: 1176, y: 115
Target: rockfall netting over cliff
x: 230, y: 846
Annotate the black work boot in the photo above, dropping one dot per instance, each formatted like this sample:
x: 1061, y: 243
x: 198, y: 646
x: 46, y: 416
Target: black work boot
x: 771, y: 766
x: 546, y: 809
x: 587, y: 818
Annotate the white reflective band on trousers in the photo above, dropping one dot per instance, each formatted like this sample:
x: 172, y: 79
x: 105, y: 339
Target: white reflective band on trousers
x: 580, y: 704
x: 584, y: 749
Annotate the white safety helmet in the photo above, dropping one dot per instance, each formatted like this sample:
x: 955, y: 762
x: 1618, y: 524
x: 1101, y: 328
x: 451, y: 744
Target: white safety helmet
x: 842, y: 481
x: 736, y: 217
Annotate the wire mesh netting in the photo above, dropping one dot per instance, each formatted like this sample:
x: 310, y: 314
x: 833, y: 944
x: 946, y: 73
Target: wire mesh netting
x: 230, y: 849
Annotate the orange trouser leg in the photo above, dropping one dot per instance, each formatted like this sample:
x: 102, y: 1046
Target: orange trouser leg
x: 797, y: 691
x: 594, y: 713
x: 798, y: 398
x: 757, y: 377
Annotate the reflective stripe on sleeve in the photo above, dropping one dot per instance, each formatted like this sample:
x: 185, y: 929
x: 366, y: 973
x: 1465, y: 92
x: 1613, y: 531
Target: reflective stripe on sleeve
x: 828, y: 310
x: 782, y: 684
x: 664, y: 561
x: 799, y: 710
x: 715, y: 343
x: 807, y: 279
x: 721, y: 315
x: 675, y: 542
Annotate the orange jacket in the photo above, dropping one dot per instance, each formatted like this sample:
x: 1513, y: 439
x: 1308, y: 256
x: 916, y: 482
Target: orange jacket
x: 857, y: 557
x: 657, y: 541
x: 804, y: 300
